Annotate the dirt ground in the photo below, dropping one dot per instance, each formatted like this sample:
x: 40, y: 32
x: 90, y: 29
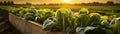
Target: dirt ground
x: 5, y: 26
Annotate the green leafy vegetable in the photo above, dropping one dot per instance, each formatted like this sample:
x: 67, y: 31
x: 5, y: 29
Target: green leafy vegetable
x: 83, y: 11
x: 95, y: 19
x: 63, y: 19
x: 23, y: 12
x: 83, y: 30
x: 115, y: 25
x: 83, y: 18
x: 29, y: 16
x: 48, y: 24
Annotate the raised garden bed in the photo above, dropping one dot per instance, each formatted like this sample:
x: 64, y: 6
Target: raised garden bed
x: 63, y: 21
x: 28, y: 27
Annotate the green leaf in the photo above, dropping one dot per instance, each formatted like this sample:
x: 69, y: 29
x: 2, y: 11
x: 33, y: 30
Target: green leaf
x: 39, y: 19
x: 105, y: 24
x: 115, y: 25
x: 48, y: 24
x: 95, y: 19
x: 29, y: 16
x: 15, y: 11
x: 83, y: 30
x: 62, y: 18
x: 23, y: 12
x: 83, y: 11
x: 32, y: 11
x: 82, y: 20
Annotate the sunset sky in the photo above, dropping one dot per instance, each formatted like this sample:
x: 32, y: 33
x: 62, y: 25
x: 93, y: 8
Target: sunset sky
x: 59, y: 1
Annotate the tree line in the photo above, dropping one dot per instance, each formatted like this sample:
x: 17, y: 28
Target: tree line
x: 92, y: 3
x: 6, y: 3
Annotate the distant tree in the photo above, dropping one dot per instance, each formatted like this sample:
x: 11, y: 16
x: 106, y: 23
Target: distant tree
x: 5, y: 2
x: 83, y: 3
x: 96, y: 3
x: 0, y: 3
x: 9, y: 2
x: 110, y: 2
x: 117, y: 4
x: 28, y: 3
x: 12, y: 2
x: 44, y: 4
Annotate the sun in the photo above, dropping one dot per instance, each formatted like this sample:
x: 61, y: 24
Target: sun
x: 66, y: 1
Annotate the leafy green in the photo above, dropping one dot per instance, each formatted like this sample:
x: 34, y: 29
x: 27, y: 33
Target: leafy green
x: 83, y: 30
x: 32, y: 11
x: 105, y: 24
x: 95, y: 19
x: 39, y: 16
x: 82, y: 20
x: 48, y: 24
x: 115, y: 25
x: 83, y: 11
x: 23, y: 12
x: 15, y: 11
x: 64, y: 19
x: 29, y: 16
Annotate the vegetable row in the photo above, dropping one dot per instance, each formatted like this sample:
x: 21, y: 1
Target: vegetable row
x: 64, y: 20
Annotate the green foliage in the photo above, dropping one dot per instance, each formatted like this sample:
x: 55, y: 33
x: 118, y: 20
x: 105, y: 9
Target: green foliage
x: 83, y: 30
x: 15, y: 11
x: 61, y: 18
x: 32, y: 11
x: 43, y: 14
x: 82, y: 20
x: 83, y: 11
x: 48, y: 13
x: 94, y: 19
x: 105, y: 23
x: 39, y: 19
x: 40, y: 13
x: 23, y: 12
x: 29, y: 16
x: 67, y: 21
x: 64, y: 19
x: 39, y: 16
x: 115, y: 25
x: 48, y: 24
x: 104, y: 18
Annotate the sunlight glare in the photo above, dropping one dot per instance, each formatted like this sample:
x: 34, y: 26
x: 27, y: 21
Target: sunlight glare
x: 66, y: 1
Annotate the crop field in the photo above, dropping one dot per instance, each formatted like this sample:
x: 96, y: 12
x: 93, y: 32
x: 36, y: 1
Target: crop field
x: 89, y: 7
x: 70, y: 18
x: 60, y: 16
x: 114, y: 10
x: 75, y: 7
